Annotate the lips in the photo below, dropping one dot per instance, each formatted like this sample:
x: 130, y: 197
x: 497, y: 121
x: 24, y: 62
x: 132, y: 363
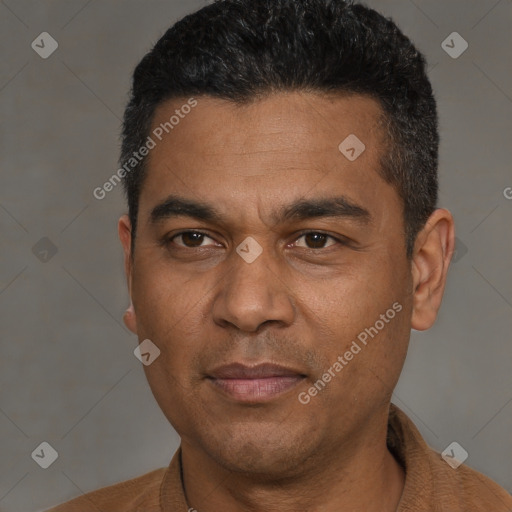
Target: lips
x: 258, y: 383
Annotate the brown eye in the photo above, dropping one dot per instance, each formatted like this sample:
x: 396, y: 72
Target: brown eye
x: 190, y: 239
x: 315, y: 240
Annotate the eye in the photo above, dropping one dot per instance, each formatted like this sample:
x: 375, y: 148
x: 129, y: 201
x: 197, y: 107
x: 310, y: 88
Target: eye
x: 316, y: 240
x: 190, y: 239
x: 312, y: 240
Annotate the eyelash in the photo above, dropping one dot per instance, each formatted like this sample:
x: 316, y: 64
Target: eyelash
x: 169, y: 240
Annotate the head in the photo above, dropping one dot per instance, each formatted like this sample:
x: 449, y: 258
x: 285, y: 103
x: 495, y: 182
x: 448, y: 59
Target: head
x: 284, y: 212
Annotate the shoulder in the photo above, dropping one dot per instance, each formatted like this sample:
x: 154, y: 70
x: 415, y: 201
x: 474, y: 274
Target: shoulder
x: 138, y: 494
x: 469, y: 488
x: 433, y: 484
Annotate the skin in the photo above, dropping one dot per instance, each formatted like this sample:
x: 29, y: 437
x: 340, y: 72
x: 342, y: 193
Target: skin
x: 301, y: 303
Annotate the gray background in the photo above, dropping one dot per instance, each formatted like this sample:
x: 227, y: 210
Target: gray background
x: 68, y: 374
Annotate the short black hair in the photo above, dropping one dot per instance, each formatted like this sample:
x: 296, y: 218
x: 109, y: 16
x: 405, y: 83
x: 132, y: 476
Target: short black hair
x: 242, y: 50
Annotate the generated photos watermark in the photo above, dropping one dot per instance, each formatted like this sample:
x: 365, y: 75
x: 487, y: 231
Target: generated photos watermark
x: 137, y: 156
x: 355, y: 348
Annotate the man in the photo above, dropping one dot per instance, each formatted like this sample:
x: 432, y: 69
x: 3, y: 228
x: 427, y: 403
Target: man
x: 280, y: 164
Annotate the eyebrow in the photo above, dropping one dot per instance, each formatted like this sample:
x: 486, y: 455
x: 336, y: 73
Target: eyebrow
x: 302, y: 209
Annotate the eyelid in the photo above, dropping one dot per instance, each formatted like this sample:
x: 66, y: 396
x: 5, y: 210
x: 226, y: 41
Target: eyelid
x: 339, y: 238
x: 169, y: 239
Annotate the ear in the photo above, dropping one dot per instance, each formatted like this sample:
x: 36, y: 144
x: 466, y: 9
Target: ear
x: 124, y: 229
x: 433, y: 251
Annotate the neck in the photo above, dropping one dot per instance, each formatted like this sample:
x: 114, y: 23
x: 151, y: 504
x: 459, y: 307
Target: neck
x: 361, y: 475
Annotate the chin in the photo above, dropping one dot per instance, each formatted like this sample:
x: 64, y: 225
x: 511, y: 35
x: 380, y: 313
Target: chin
x: 260, y: 452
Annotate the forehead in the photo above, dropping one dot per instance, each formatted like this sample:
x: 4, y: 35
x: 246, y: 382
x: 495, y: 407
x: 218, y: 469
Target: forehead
x: 292, y: 118
x: 266, y: 151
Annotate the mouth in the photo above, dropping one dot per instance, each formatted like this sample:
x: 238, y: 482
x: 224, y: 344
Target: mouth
x: 254, y: 384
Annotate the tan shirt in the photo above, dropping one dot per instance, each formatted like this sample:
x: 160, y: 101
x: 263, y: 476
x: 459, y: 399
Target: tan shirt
x: 431, y: 485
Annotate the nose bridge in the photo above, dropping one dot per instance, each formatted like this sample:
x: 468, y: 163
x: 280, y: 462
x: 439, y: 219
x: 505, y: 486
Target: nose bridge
x: 253, y: 292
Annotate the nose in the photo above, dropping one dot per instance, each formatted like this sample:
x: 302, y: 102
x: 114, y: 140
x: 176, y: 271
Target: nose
x: 253, y: 294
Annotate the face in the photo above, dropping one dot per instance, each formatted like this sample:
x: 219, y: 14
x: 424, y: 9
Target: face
x: 271, y: 272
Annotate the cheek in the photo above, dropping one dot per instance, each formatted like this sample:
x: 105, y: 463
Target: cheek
x: 350, y: 301
x: 364, y: 318
x: 176, y: 400
x: 163, y: 298
x: 167, y: 313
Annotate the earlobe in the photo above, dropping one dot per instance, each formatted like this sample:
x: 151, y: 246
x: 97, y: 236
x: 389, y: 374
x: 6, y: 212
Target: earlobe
x: 129, y: 319
x: 432, y: 254
x: 125, y: 235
